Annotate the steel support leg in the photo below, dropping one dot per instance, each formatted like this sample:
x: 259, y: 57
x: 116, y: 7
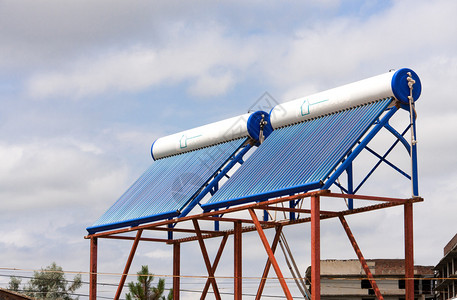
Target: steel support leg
x: 206, y: 259
x: 215, y: 263
x: 93, y: 269
x: 361, y: 258
x: 176, y: 270
x: 315, y: 249
x: 409, y: 252
x: 263, y: 281
x: 237, y: 237
x: 270, y: 254
x: 128, y: 264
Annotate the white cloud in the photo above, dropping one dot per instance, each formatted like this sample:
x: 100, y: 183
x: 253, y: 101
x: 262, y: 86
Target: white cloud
x: 203, y: 57
x: 18, y: 238
x: 212, y: 85
x: 55, y: 174
x: 159, y: 254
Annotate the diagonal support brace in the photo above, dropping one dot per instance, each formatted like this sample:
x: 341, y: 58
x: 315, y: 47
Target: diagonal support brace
x: 361, y: 258
x: 206, y: 259
x: 263, y: 281
x: 215, y: 263
x: 270, y: 254
x: 128, y: 264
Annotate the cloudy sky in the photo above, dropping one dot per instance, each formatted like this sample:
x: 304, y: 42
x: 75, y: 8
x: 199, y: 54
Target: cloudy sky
x: 87, y: 86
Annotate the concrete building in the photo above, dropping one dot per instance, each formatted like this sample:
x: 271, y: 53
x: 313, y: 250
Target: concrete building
x: 346, y: 280
x: 446, y: 272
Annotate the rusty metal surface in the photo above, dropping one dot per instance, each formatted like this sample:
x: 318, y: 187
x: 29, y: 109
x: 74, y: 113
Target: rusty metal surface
x: 266, y: 270
x: 315, y: 249
x: 409, y: 251
x: 271, y: 255
x: 313, y: 215
x: 176, y: 271
x: 93, y: 269
x: 128, y: 264
x: 362, y: 260
x: 215, y: 263
x: 206, y: 259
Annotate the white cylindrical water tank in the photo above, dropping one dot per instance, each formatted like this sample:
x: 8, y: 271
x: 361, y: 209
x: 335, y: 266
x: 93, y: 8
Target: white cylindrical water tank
x: 391, y: 84
x: 246, y: 125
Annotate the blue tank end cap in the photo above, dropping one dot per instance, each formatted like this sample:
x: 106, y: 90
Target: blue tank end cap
x: 400, y: 86
x: 152, y: 150
x: 254, y: 125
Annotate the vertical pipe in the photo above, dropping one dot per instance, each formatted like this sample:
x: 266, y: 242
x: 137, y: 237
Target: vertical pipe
x: 292, y: 214
x: 238, y: 260
x: 414, y: 171
x: 350, y: 175
x: 170, y: 232
x: 128, y: 264
x: 176, y: 270
x: 270, y: 254
x: 315, y: 249
x: 409, y: 252
x: 93, y: 269
x: 216, y: 223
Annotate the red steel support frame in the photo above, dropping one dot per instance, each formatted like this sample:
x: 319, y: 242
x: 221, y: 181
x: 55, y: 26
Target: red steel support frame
x: 362, y: 260
x: 128, y: 264
x: 215, y: 263
x: 93, y: 269
x: 409, y: 252
x: 263, y: 281
x: 176, y: 270
x: 271, y: 256
x: 209, y: 268
x: 259, y: 226
x: 315, y: 248
x: 238, y: 274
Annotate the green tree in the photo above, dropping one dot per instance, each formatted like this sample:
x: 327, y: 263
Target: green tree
x: 50, y: 283
x: 14, y: 284
x: 142, y: 290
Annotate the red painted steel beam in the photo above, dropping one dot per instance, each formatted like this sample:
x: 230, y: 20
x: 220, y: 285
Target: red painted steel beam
x: 297, y: 210
x: 215, y: 263
x: 409, y: 252
x: 315, y: 249
x: 324, y: 215
x: 213, y: 213
x: 131, y: 238
x: 183, y: 230
x: 238, y: 273
x: 270, y: 254
x: 364, y: 197
x: 206, y: 259
x: 261, y: 205
x: 324, y: 193
x: 176, y: 270
x: 266, y: 270
x: 362, y: 260
x: 128, y: 264
x: 225, y: 219
x: 93, y: 269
